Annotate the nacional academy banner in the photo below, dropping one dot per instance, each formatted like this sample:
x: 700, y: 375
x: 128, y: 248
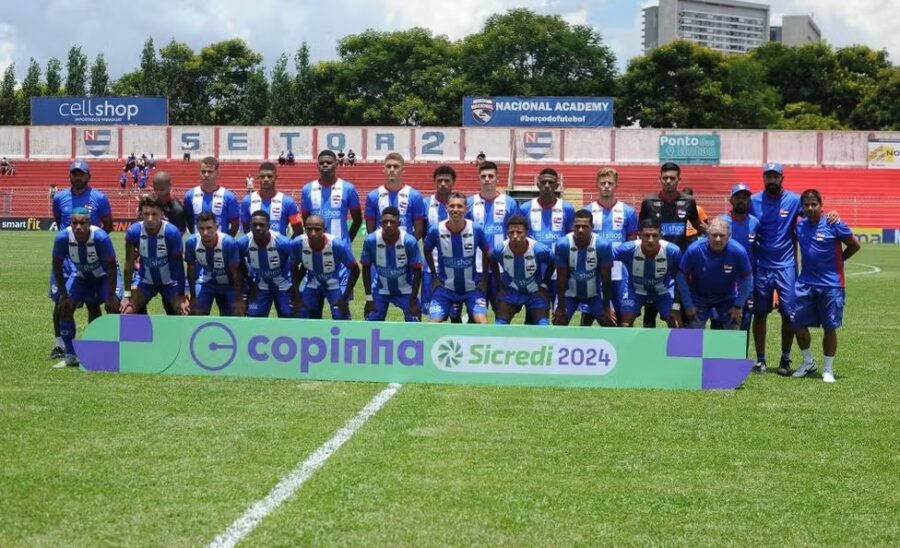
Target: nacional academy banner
x: 884, y: 153
x: 125, y: 111
x: 537, y: 111
x: 418, y: 353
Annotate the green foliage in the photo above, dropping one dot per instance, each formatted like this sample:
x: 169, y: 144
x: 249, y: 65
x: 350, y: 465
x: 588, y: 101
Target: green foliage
x: 99, y: 77
x: 308, y: 98
x: 76, y: 72
x: 281, y: 94
x: 9, y: 105
x: 523, y: 53
x: 149, y: 83
x: 54, y: 78
x: 179, y: 75
x: 31, y: 87
x: 880, y: 107
x: 228, y: 73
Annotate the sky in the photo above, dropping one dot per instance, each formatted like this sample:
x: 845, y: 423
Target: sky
x: 48, y: 28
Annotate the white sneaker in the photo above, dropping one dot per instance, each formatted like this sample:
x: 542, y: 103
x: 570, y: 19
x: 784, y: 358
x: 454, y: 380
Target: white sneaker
x: 828, y: 376
x: 804, y: 370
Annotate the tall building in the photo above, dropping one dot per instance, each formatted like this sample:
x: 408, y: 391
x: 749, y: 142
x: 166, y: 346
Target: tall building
x: 728, y: 26
x: 796, y: 30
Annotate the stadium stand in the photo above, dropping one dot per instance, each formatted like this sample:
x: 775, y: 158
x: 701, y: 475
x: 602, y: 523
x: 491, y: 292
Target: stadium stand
x: 864, y: 197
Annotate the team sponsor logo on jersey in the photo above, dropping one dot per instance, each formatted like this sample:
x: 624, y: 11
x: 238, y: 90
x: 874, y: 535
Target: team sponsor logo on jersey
x: 537, y: 143
x: 97, y: 141
x: 784, y: 213
x: 728, y: 268
x: 482, y: 110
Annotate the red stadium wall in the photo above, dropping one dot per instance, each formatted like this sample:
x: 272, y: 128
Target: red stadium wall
x: 865, y: 198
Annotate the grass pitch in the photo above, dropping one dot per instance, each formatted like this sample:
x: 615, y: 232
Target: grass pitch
x: 92, y: 459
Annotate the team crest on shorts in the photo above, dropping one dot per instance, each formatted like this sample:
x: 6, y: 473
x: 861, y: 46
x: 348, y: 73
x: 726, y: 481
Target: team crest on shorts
x: 482, y: 110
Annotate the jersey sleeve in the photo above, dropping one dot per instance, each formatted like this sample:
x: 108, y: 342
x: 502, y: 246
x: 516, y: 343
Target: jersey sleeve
x: 413, y: 255
x: 296, y: 252
x: 346, y: 254
x: 568, y: 217
x: 103, y: 207
x: 431, y: 238
x: 497, y: 251
x: 57, y: 209
x: 173, y: 240
x: 352, y: 197
x: 232, y: 208
x: 230, y: 250
x: 133, y: 235
x: 746, y: 268
x: 190, y: 249
x: 842, y: 231
x: 631, y: 220
x: 481, y: 240
x: 561, y: 252
x: 245, y: 213
x: 646, y: 210
x: 621, y: 252
x: 105, y: 246
x: 366, y: 255
x: 291, y: 211
x: 604, y: 251
x: 61, y: 245
x: 417, y: 206
x: 372, y: 205
x: 675, y: 256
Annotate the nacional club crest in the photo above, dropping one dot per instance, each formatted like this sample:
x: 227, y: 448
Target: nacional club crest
x: 97, y: 141
x: 537, y: 143
x: 482, y: 110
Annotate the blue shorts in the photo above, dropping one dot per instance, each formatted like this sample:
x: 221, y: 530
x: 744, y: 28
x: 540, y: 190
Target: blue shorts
x: 531, y: 301
x: 262, y: 304
x: 69, y: 271
x: 589, y: 305
x: 88, y: 290
x: 222, y: 294
x: 817, y: 306
x: 381, y: 303
x: 427, y: 278
x: 620, y: 293
x: 768, y: 280
x: 719, y: 313
x: 634, y: 303
x: 443, y: 299
x: 168, y: 291
x: 314, y: 302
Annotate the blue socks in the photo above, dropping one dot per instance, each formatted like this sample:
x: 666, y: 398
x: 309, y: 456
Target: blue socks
x: 67, y: 332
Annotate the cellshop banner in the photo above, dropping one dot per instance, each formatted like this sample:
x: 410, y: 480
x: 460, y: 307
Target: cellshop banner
x: 126, y: 111
x: 537, y: 111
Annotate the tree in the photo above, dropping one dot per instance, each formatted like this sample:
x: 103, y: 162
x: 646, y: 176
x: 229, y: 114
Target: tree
x: 9, y: 106
x: 749, y: 102
x: 307, y: 102
x: 31, y: 87
x: 225, y: 73
x: 149, y: 81
x: 76, y: 72
x: 99, y: 77
x: 804, y: 115
x: 128, y: 84
x: 255, y: 99
x: 179, y: 75
x: 677, y: 85
x: 523, y: 53
x: 54, y: 80
x: 880, y: 108
x: 281, y: 94
x: 395, y: 78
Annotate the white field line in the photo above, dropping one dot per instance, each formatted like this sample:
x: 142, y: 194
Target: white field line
x: 298, y: 476
x: 872, y: 270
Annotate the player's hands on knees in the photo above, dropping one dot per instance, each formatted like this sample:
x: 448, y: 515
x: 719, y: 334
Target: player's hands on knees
x: 560, y: 317
x: 126, y: 306
x: 436, y: 283
x: 482, y: 284
x: 675, y: 319
x: 690, y: 314
x: 608, y: 317
x: 182, y: 306
x: 737, y: 314
x: 343, y: 306
x: 368, y: 308
x: 414, y: 308
x: 113, y: 305
x: 239, y: 308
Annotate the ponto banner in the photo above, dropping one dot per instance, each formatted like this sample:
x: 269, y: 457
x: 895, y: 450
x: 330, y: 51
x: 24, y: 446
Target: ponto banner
x: 538, y: 111
x: 125, y: 111
x: 689, y: 149
x: 884, y: 153
x: 422, y: 353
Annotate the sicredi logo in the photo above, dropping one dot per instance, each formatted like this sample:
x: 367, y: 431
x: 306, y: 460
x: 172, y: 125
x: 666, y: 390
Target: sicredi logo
x: 530, y: 356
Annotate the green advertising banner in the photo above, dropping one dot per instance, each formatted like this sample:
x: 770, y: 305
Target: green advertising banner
x: 416, y: 353
x: 689, y: 149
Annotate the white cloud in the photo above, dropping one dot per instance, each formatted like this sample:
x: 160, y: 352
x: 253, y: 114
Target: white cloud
x: 7, y: 46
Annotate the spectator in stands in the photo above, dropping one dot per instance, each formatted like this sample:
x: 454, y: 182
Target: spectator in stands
x: 50, y: 194
x: 186, y: 149
x: 690, y: 232
x: 4, y: 167
x: 130, y: 162
x: 290, y: 158
x: 282, y: 159
x: 342, y: 158
x: 123, y: 180
x: 351, y: 158
x: 151, y: 163
x: 480, y: 159
x: 250, y: 186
